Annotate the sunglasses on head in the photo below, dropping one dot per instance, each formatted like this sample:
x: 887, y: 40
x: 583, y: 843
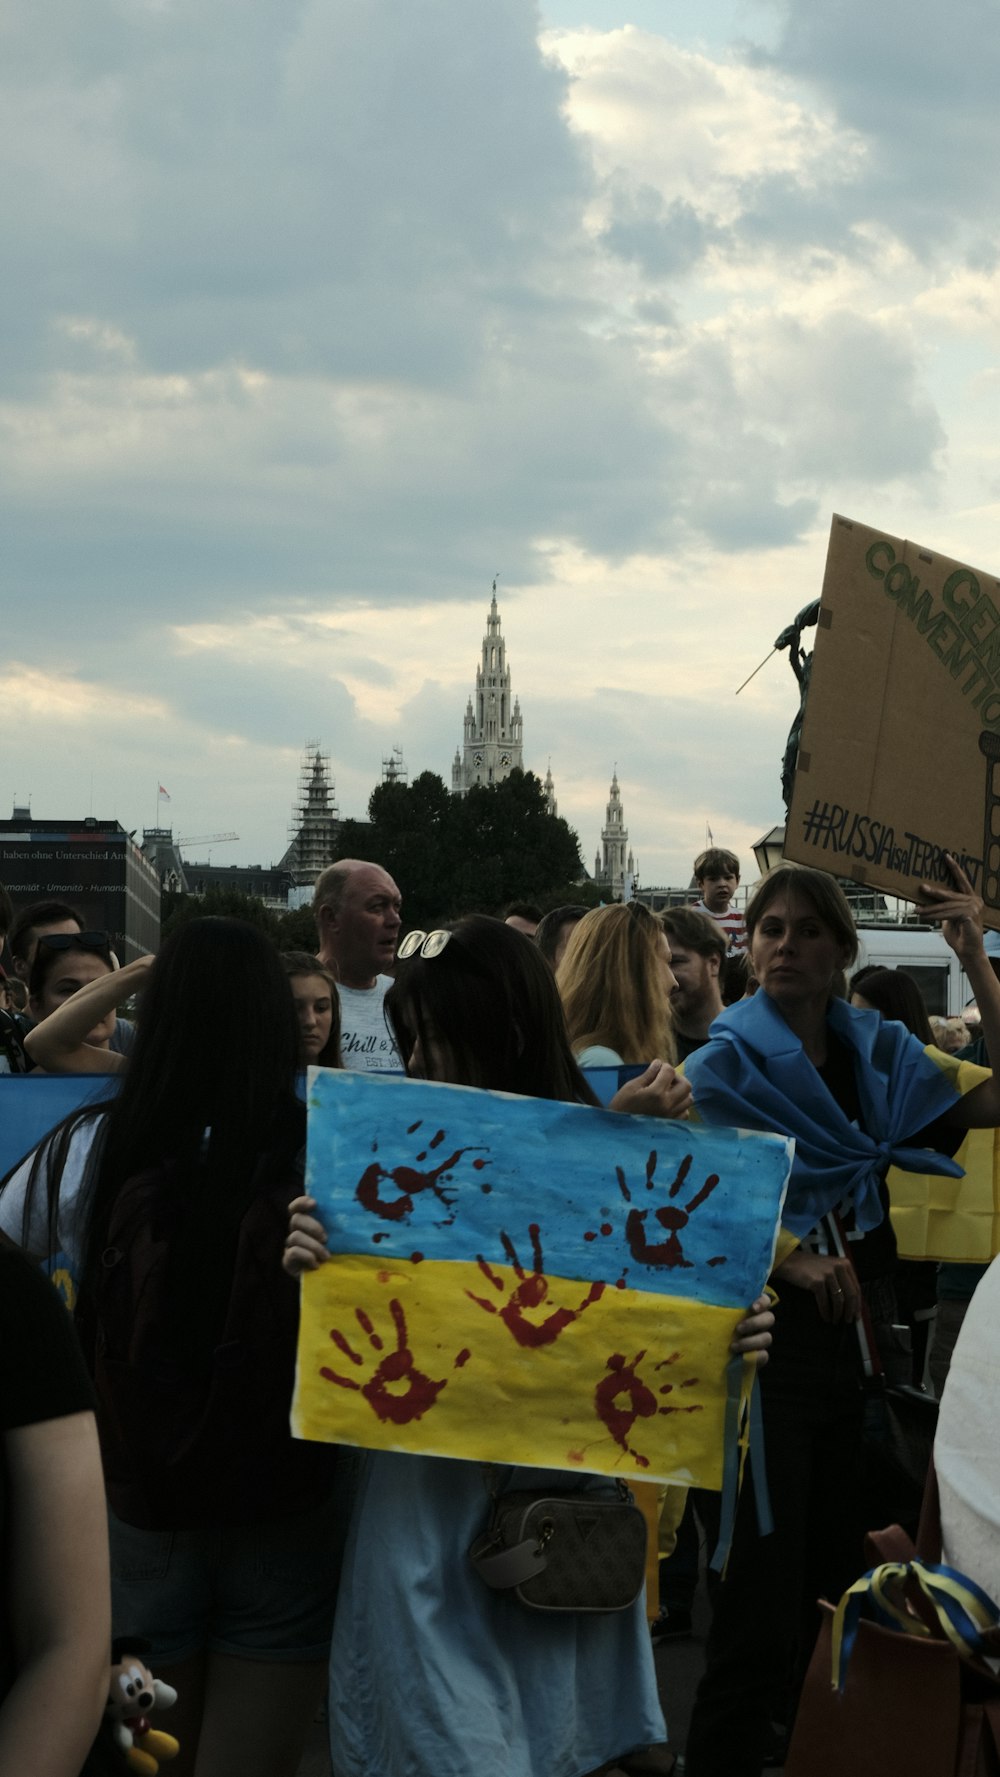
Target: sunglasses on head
x: 427, y: 944
x: 98, y: 941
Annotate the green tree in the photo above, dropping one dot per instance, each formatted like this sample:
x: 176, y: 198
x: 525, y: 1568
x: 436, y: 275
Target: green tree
x: 177, y: 909
x: 452, y: 855
x: 520, y: 851
x: 297, y: 930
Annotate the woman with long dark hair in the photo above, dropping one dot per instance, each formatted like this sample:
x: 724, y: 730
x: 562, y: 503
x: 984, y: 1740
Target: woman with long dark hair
x: 893, y: 994
x: 169, y: 1203
x: 466, y: 1680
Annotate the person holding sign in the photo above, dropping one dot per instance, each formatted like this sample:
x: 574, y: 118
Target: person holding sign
x: 858, y: 1094
x: 431, y: 1673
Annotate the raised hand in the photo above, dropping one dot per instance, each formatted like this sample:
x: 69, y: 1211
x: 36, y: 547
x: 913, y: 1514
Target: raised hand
x: 958, y: 910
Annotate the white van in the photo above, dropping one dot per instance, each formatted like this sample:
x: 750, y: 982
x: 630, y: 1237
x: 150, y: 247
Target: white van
x: 922, y: 953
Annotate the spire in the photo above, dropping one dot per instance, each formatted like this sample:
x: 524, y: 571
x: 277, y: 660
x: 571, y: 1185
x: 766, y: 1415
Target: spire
x: 493, y: 733
x: 551, y: 806
x: 614, y: 858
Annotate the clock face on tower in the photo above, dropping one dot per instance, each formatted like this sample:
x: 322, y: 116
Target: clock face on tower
x: 479, y: 760
x: 505, y: 760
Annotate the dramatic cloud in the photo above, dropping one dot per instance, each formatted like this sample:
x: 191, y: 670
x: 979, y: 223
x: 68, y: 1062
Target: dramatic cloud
x: 919, y: 85
x: 312, y: 321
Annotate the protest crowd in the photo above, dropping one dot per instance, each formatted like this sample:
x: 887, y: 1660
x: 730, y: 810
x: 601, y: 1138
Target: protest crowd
x: 166, y: 1535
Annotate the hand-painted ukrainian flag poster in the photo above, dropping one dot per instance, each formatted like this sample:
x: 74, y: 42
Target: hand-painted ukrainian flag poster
x: 522, y: 1281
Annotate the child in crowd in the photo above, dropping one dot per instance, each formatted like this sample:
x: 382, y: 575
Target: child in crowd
x: 717, y: 873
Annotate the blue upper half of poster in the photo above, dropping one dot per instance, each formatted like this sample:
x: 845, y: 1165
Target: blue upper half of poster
x: 412, y: 1169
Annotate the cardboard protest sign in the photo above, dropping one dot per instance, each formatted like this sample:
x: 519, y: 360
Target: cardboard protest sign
x: 900, y: 754
x: 522, y: 1281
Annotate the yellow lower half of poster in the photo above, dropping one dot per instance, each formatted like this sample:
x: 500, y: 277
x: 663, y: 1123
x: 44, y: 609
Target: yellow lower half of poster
x: 492, y: 1364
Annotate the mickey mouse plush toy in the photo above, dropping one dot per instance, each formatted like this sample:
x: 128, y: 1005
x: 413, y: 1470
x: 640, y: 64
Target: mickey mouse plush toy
x: 133, y: 1690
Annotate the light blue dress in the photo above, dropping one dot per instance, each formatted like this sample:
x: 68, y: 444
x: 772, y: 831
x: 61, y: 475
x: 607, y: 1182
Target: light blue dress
x: 432, y: 1674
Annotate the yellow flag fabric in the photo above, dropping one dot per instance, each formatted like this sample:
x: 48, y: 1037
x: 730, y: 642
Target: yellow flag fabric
x: 957, y: 1220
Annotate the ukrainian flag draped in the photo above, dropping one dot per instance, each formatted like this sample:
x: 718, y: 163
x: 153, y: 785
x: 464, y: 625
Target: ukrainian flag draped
x: 954, y: 1219
x: 523, y: 1281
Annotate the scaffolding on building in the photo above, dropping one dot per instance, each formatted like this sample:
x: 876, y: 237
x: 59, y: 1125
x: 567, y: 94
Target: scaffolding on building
x: 315, y: 822
x: 394, y: 767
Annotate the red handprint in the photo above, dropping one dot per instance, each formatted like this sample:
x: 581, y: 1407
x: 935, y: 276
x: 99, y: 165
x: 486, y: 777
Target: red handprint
x: 623, y: 1379
x: 532, y: 1290
x: 409, y: 1182
x: 396, y: 1366
x: 664, y: 1252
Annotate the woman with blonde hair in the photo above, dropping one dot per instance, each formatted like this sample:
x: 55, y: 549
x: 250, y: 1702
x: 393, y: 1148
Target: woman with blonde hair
x: 615, y: 984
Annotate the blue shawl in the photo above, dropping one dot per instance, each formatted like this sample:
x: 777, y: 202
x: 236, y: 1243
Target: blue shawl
x: 755, y: 1074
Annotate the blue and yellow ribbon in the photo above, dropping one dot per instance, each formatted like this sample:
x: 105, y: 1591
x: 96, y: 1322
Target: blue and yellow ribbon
x: 962, y: 1611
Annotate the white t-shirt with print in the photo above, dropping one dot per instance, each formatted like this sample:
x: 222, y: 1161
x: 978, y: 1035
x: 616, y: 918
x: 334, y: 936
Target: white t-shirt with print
x: 365, y: 1044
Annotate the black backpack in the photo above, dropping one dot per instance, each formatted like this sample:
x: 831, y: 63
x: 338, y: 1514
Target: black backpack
x: 192, y: 1443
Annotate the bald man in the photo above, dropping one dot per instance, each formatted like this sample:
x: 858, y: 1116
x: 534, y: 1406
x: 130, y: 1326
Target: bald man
x: 357, y: 910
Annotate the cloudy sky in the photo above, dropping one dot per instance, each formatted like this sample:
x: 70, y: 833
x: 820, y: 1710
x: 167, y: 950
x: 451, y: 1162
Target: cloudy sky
x: 318, y: 313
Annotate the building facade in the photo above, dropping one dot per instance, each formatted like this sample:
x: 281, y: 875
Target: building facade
x: 93, y: 865
x: 185, y: 876
x: 493, y: 741
x: 271, y: 885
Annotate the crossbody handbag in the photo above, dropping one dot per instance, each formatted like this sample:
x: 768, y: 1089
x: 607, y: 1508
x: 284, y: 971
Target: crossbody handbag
x: 571, y: 1551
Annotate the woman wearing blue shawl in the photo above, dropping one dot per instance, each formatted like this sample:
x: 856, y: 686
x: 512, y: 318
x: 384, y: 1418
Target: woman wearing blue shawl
x: 858, y: 1094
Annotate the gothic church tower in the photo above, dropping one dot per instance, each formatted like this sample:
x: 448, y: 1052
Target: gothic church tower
x: 493, y: 739
x: 614, y: 861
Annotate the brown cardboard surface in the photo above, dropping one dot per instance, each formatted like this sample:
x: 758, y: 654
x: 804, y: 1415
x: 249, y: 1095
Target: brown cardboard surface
x: 900, y: 753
